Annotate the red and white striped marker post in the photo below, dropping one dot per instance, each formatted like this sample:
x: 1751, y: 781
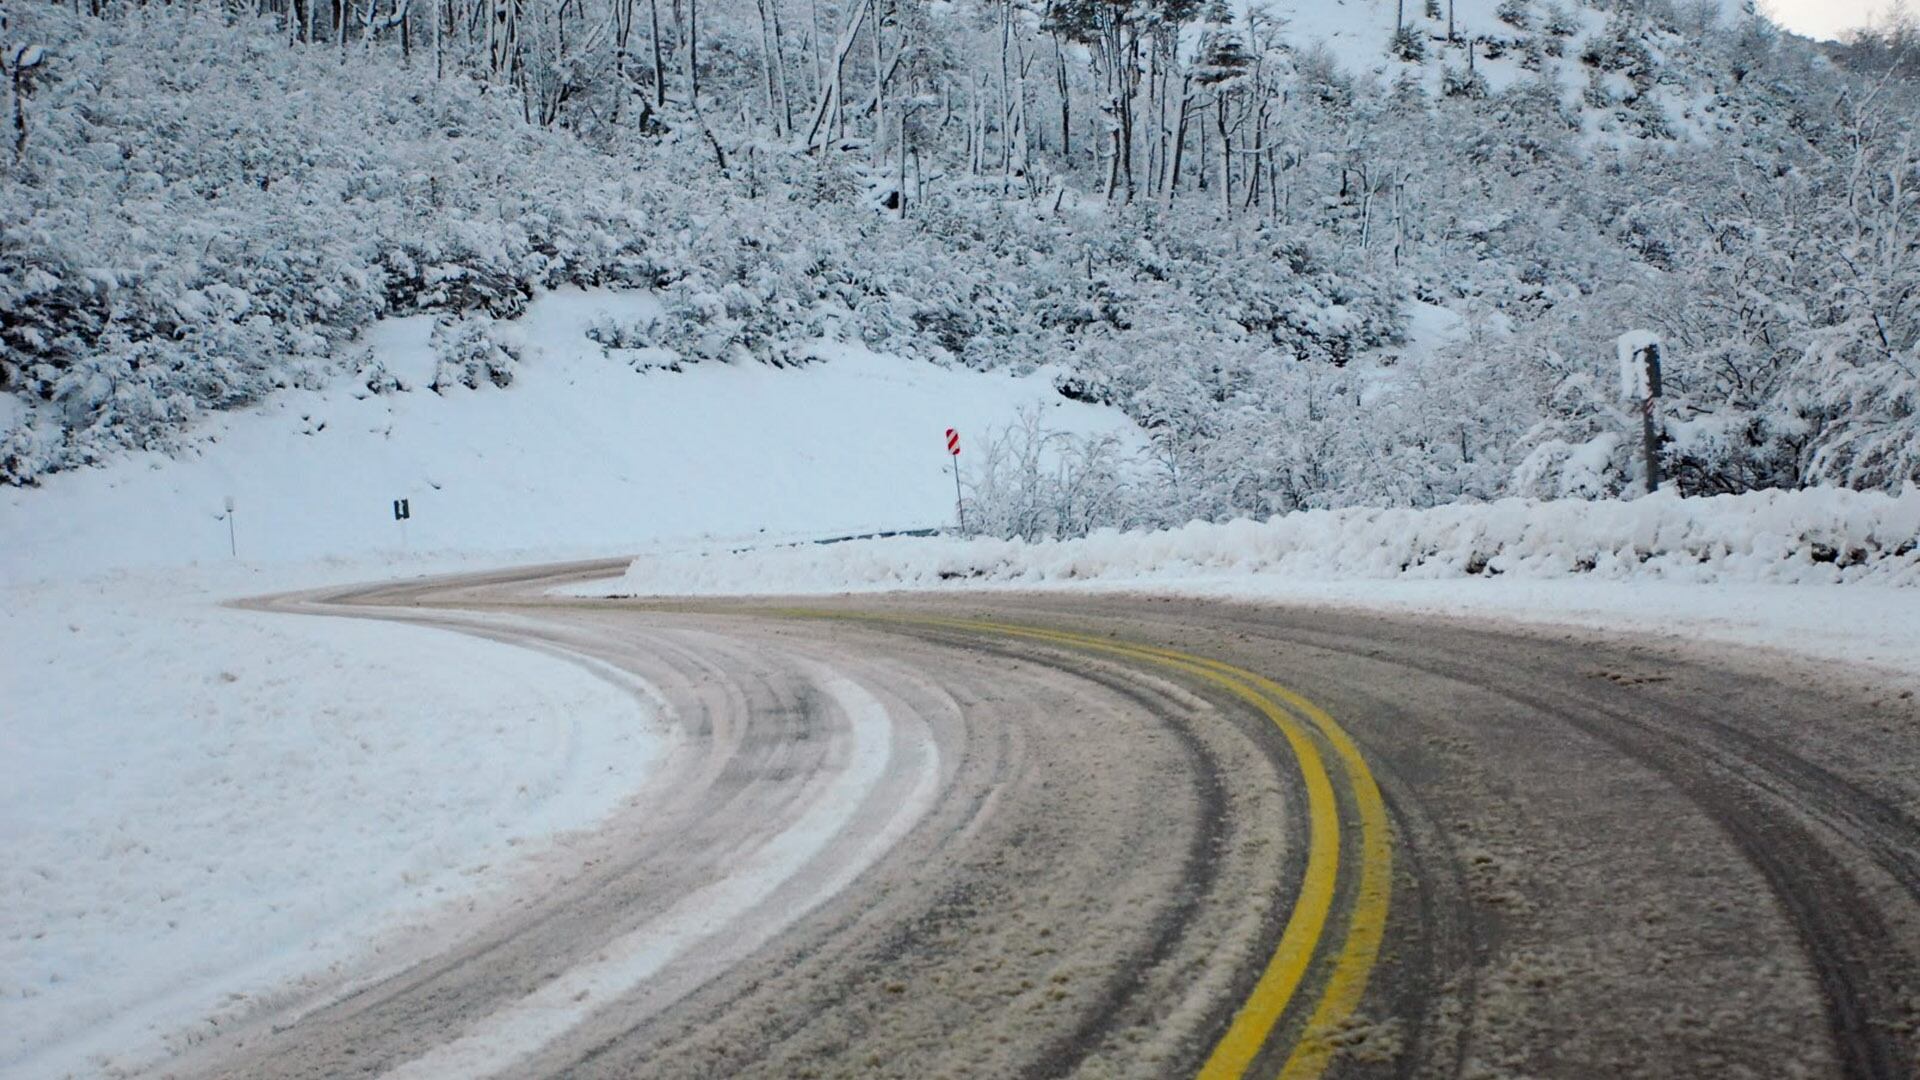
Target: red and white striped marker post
x: 959, y: 504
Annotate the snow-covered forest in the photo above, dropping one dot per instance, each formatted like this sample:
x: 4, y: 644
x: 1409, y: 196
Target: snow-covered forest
x: 1327, y: 255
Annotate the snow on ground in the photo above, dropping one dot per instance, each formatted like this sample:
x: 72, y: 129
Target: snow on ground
x: 1827, y: 573
x: 580, y: 454
x: 1357, y: 34
x: 204, y: 806
x: 199, y: 805
x: 202, y: 803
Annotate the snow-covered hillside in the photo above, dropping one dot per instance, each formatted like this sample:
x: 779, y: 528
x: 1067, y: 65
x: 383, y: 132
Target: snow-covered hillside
x: 1192, y: 212
x: 581, y: 454
x: 1514, y: 40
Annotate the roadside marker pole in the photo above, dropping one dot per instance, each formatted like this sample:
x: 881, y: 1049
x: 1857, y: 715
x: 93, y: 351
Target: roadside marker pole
x: 233, y: 544
x: 959, y: 503
x: 402, y: 510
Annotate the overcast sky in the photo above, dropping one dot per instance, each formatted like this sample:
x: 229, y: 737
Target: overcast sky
x: 1822, y: 18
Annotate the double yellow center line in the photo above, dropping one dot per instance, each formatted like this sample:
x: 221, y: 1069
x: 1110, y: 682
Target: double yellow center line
x: 1304, y: 943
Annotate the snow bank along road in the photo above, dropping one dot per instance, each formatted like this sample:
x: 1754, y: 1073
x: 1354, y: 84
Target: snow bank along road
x: 1026, y: 835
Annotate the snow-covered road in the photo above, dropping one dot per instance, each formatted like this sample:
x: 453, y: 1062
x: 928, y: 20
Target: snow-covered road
x: 1088, y: 840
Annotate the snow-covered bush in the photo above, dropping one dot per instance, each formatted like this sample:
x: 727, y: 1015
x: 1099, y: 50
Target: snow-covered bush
x: 1820, y: 536
x: 1463, y: 82
x: 1034, y: 483
x: 611, y: 333
x: 1409, y: 44
x: 1621, y: 48
x: 469, y: 351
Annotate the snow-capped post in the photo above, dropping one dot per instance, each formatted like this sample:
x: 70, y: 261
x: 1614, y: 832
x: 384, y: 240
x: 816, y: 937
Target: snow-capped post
x: 1639, y: 354
x: 959, y: 503
x: 233, y: 544
x: 19, y: 60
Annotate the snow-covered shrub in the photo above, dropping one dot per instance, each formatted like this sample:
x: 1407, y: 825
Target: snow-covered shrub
x: 1622, y: 48
x: 1460, y: 82
x: 370, y: 373
x: 1597, y: 94
x: 1556, y: 469
x: 1034, y: 483
x: 611, y: 333
x: 729, y: 324
x: 1320, y: 74
x: 1650, y: 117
x: 1409, y: 43
x: 469, y: 351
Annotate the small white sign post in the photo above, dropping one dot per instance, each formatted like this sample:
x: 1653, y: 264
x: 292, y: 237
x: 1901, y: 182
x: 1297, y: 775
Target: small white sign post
x: 233, y: 544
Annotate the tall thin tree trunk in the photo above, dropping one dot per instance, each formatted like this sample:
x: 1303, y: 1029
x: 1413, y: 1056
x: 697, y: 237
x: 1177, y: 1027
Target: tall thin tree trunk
x: 1179, y: 139
x: 1200, y: 181
x: 1129, y: 50
x: 827, y: 109
x: 1066, y: 101
x: 622, y: 17
x: 1273, y: 185
x: 879, y: 84
x: 767, y: 65
x: 780, y: 69
x: 1226, y: 157
x: 900, y: 188
x: 813, y: 47
x: 1006, y: 96
x: 693, y: 51
x: 659, y: 60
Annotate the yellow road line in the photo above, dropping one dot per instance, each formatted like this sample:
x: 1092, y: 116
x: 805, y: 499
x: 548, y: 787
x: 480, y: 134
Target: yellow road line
x: 1368, y: 925
x: 1253, y: 1024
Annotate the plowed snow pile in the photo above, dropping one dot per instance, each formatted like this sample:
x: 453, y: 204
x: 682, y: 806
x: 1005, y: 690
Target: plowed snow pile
x: 1824, y: 536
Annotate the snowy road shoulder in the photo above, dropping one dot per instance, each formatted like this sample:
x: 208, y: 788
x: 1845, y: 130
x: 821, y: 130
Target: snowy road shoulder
x: 1875, y: 626
x: 206, y: 808
x: 1823, y: 573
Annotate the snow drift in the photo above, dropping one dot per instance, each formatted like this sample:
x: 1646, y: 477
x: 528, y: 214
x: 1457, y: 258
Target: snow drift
x: 1814, y: 536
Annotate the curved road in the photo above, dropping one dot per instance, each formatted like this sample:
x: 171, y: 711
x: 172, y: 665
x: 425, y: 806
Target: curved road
x: 1022, y: 835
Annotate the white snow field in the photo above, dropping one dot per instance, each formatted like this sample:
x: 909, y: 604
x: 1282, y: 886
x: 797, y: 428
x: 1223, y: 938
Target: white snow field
x: 202, y: 807
x: 1829, y: 573
x: 580, y: 455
